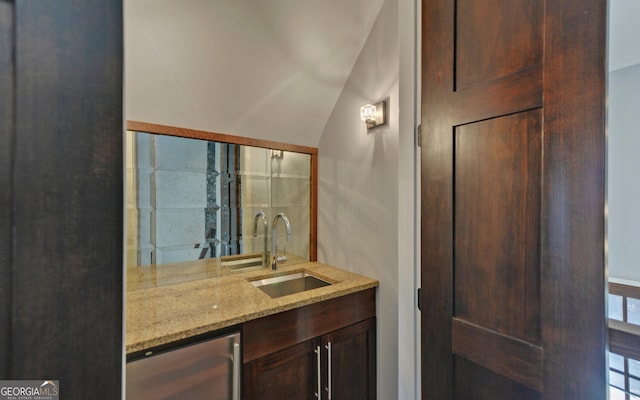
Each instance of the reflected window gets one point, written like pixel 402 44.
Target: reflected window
pixel 190 199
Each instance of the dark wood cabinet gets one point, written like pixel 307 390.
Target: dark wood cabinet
pixel 349 361
pixel 339 365
pixel 286 374
pixel 328 347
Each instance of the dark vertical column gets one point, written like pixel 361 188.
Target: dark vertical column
pixel 225 209
pixel 230 200
pixel 67 294
pixel 236 202
pixel 213 207
pixel 6 144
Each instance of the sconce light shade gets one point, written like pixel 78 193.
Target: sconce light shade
pixel 373 114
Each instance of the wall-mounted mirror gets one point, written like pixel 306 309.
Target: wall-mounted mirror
pixel 197 203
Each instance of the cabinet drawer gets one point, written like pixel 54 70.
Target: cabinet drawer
pixel 276 332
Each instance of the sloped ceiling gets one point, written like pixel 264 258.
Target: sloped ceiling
pixel 269 69
pixel 624 33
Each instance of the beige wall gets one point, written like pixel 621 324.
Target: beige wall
pixel 359 196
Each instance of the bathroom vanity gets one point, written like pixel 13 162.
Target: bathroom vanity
pixel 320 340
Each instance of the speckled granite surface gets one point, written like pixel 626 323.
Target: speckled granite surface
pixel 157 315
pixel 149 276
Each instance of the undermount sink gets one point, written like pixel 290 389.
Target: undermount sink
pixel 292 283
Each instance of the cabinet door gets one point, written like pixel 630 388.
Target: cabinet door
pixel 291 373
pixel 349 367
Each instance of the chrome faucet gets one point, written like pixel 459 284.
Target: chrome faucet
pixel 265 249
pixel 274 239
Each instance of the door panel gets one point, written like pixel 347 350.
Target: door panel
pixel 495 39
pixel 513 199
pixel 496 246
pixel 512 358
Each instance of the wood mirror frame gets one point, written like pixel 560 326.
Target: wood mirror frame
pixel 225 138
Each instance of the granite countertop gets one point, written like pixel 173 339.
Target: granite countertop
pixel 148 276
pixel 157 315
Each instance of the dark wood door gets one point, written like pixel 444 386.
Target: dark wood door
pixel 291 373
pixel 352 372
pixel 513 106
pixel 7 85
pixel 61 186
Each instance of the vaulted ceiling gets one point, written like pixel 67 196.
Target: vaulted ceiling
pixel 270 69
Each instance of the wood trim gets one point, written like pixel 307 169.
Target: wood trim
pixel 222 137
pixel 218 137
pixel 275 332
pixel 624 290
pixel 510 357
pixel 624 339
pixel 436 201
pixel 313 223
pixel 482 99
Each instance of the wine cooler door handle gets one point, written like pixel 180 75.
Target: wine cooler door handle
pixel 236 371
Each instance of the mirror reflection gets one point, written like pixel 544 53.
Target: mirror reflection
pixel 191 199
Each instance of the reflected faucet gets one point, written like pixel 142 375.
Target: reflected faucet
pixel 265 254
pixel 274 239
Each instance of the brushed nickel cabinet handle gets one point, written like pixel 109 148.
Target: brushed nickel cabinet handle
pixel 319 392
pixel 328 347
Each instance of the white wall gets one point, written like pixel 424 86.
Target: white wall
pixel 268 69
pixel 623 167
pixel 366 191
pixel 624 31
pixel 409 367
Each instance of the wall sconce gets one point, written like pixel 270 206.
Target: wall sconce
pixel 373 114
pixel 277 154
